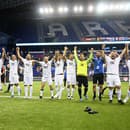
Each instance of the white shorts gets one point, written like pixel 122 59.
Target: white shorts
pixel 71 79
pixel 129 80
pixel 47 79
pixel 14 79
pixel 113 80
pixel 59 79
pixel 0 78
pixel 28 80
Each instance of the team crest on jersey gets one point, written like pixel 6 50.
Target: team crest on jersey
pixel 12 63
pixel 45 66
pixel 57 64
pixel 27 64
pixel 70 63
pixel 82 64
pixel 112 62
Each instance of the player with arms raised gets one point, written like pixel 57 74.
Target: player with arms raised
pixel 46 75
pixel 113 78
pixel 13 75
pixel 71 75
pixel 28 72
pixel 98 77
pixel 59 60
pixel 82 71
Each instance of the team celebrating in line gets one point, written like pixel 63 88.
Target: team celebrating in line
pixel 76 71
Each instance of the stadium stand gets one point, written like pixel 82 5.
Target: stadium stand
pixel 68 31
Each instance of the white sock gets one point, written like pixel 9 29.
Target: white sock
pixel 60 92
pixel 127 97
pixel 31 91
pixel 110 94
pixel 12 90
pixel 0 82
pixel 41 92
pixel 98 90
pixel 72 91
pixel 0 86
pixel 52 94
pixel 119 94
pixel 19 89
pixel 57 89
pixel 129 93
pixel 26 91
pixel 68 89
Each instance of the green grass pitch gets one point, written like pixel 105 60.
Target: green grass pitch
pixel 47 114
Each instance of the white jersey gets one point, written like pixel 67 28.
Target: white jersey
pixel 59 67
pixel 13 67
pixel 71 66
pixel 46 69
pixel 1 63
pixel 128 64
pixel 28 67
pixel 112 65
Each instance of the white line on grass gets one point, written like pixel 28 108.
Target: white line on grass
pixel 23 97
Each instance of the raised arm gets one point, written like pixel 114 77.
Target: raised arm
pixel 90 56
pixel 64 53
pixel 103 47
pixel 52 59
pixel 127 51
pixel 3 53
pixel 123 52
pixel 18 53
pixel 75 53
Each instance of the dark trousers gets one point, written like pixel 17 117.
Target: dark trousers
pixel 82 80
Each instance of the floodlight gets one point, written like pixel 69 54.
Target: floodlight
pixel 41 10
pixel 90 8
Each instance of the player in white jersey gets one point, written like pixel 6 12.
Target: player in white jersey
pixel 71 75
pixel 59 73
pixel 128 64
pixel 46 75
pixel 13 75
pixel 28 73
pixel 113 79
pixel 1 64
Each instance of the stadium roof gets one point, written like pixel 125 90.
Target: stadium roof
pixel 15 3
pixel 29 8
